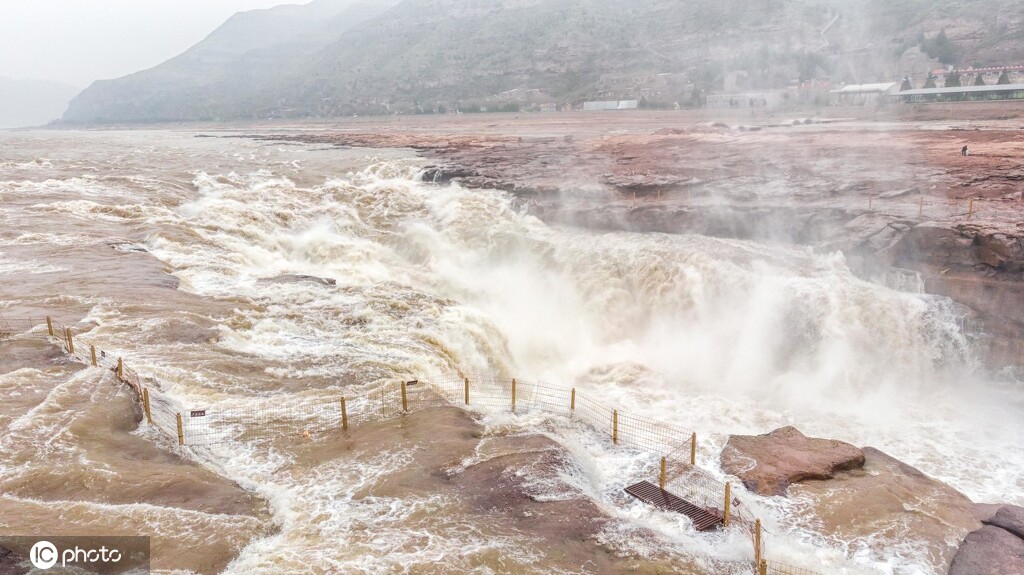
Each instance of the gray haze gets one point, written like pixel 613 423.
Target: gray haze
pixel 71 43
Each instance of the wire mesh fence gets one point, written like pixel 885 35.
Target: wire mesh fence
pixel 304 415
pixel 777 568
pixel 10 327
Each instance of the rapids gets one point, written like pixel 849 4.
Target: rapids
pixel 164 244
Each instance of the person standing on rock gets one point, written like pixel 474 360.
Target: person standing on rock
pixel 964 152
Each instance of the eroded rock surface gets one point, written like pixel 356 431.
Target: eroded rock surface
pixel 769 463
pixel 888 501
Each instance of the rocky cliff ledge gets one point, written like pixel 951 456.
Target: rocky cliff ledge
pixel 891 195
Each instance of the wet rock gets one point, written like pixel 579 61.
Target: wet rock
pixel 1001 251
pixel 12 563
pixel 936 244
pixel 298 278
pixel 445 174
pixel 1010 518
pixel 989 551
pixel 768 464
pixel 888 501
pixel 985 511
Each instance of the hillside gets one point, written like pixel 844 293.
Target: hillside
pixel 337 57
pixel 222 76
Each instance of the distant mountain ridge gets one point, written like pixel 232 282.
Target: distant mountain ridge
pixel 336 57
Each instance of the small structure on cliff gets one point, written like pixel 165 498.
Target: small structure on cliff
pixel 862 94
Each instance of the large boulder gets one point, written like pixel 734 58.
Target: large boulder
pixel 1010 518
pixel 768 464
pixel 989 551
pixel 888 502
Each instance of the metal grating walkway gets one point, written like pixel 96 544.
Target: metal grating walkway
pixel 650 493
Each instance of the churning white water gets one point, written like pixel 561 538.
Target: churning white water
pixel 719 336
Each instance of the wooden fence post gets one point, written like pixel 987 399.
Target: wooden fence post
pixel 120 368
pixel 757 543
pixel 920 207
pixel 405 400
pixel 572 401
pixel 764 567
pixel 181 431
pixel 467 391
pixel 49 325
pixel 71 340
pixel 92 350
pixel 693 449
pixel 728 503
pixel 615 427
pixel 145 405
pixel 661 478
pixel 513 395
pixel 970 208
pixel 344 415
pixel 871 201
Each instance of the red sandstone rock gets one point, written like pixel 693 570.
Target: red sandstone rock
pixel 989 551
pixel 1010 518
pixel 888 501
pixel 768 464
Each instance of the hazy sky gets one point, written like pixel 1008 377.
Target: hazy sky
pixel 79 41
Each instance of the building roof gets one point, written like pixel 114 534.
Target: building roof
pixel 865 88
pixel 962 90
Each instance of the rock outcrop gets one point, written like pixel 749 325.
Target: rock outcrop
pixel 887 501
pixel 995 549
pixel 768 464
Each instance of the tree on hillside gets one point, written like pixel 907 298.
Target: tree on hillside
pixel 953 79
pixel 1004 78
pixel 906 85
pixel 940 47
pixel 930 82
pixel 979 80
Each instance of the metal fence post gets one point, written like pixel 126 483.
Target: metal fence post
pixel 49 325
pixel 405 400
pixel 145 404
pixel 181 431
pixel 728 503
pixel 513 395
pixel 344 415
